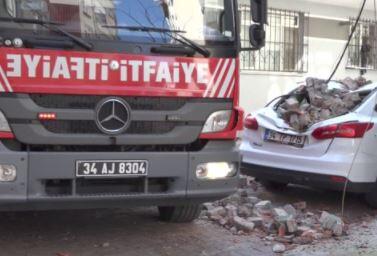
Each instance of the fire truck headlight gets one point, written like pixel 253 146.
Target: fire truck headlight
pixel 216 170
pixel 4 126
pixel 8 173
pixel 217 122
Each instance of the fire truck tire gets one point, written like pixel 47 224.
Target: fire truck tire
pixel 180 214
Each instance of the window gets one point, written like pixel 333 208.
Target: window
pixel 286 47
pixel 204 21
pixel 362 51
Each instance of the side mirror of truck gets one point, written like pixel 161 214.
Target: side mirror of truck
pixel 259 9
pixel 257 34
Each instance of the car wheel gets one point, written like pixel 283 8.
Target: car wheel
pixel 371 198
pixel 180 214
pixel 273 185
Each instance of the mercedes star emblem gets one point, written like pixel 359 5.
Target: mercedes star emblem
pixel 113 115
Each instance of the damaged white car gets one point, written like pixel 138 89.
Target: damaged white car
pixel 322 135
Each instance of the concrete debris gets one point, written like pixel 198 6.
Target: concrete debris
pixel 208 206
pixel 318 101
pixel 284 239
pixel 242 182
pixel 253 200
pixel 332 222
pixel 291 104
pixel 290 210
pixel 270 227
pixel 234 199
pixel 233 230
pixel 280 215
pixel 242 224
pixel 278 248
pixel 302 229
pixel 217 213
pixel 282 230
pixel 302 240
pixel 300 205
pixel 308 221
pixel 290 224
pixel 258 222
pixel 309 233
pixel 223 221
pixel 352 84
pixel 245 210
pixel 231 210
pixel 243 193
pixel 264 205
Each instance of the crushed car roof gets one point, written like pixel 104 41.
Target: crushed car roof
pixel 318 100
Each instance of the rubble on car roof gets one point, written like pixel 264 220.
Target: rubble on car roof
pixel 318 101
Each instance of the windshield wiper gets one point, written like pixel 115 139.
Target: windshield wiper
pixel 182 39
pixel 144 29
pixel 54 26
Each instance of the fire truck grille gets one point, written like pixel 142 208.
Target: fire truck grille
pixel 90 127
pixel 90 102
pixel 103 187
pixel 154 121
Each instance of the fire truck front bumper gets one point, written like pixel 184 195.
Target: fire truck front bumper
pixel 49 180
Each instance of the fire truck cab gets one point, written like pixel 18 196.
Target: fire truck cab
pixel 116 103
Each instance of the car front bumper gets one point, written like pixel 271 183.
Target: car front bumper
pixel 47 180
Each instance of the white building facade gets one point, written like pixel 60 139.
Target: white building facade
pixel 305 39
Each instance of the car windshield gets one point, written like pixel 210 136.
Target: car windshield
pixel 203 21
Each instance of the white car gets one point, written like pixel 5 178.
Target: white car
pixel 328 154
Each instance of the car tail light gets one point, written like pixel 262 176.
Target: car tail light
pixel 345 130
pixel 338 179
pixel 5 130
pixel 251 123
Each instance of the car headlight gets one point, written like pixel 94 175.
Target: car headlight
pixel 217 121
pixel 4 125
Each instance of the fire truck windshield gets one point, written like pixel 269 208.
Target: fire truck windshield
pixel 203 21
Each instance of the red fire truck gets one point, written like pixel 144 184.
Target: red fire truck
pixel 115 103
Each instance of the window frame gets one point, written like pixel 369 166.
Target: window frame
pixel 355 60
pixel 281 54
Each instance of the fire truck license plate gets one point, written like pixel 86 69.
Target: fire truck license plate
pixel 111 168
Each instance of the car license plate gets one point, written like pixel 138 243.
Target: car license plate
pixel 286 139
pixel 111 168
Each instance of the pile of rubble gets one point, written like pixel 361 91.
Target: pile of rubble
pixel 318 101
pixel 282 227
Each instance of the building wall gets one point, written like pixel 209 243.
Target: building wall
pixel 327 38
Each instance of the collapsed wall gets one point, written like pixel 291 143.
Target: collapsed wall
pixel 318 101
